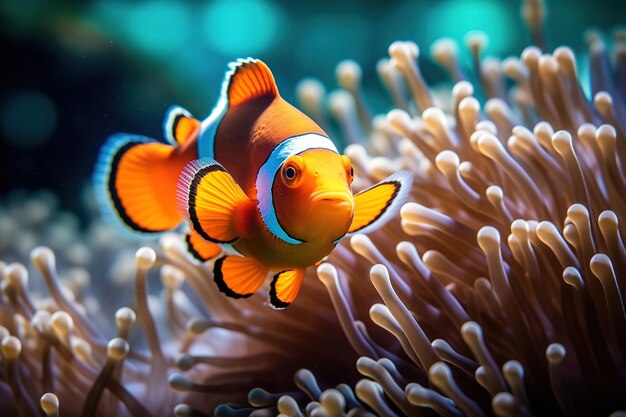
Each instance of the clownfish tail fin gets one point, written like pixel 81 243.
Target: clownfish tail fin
pixel 135 184
pixel 179 126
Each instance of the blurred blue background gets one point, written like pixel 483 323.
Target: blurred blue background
pixel 74 72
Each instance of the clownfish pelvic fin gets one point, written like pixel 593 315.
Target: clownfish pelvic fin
pixel 285 287
pixel 239 276
pixel 200 249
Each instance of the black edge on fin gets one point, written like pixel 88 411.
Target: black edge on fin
pixel 219 280
pixel 276 302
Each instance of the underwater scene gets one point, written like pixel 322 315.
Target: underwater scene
pixel 334 208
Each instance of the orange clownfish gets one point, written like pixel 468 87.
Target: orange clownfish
pixel 261 185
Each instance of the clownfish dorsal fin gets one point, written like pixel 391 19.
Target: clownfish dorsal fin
pixel 250 79
pixel 179 125
pixel 246 80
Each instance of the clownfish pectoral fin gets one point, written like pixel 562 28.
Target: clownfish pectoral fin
pixel 135 183
pixel 201 249
pixel 285 287
pixel 212 201
pixel 179 126
pixel 378 204
pixel 250 79
pixel 238 276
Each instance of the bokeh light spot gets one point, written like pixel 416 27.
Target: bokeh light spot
pixel 158 28
pixel 328 39
pixel 28 119
pixel 456 18
pixel 241 27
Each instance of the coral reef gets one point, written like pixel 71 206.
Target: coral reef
pixel 498 291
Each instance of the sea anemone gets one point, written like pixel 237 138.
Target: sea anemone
pixel 497 291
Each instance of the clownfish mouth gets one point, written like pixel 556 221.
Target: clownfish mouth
pixel 336 198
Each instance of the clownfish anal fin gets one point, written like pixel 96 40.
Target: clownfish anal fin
pixel 201 249
pixel 250 79
pixel 378 204
pixel 238 276
pixel 211 199
pixel 179 125
pixel 285 287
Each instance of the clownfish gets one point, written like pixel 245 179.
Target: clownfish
pixel 262 187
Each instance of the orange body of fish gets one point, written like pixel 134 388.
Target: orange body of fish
pixel 262 187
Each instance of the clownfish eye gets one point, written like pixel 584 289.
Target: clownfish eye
pixel 291 174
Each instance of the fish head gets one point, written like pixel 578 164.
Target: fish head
pixel 313 196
